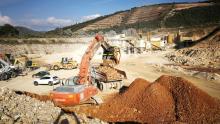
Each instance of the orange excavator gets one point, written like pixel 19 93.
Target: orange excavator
pixel 84 86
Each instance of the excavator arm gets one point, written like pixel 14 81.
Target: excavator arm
pixel 111 55
pixel 85 62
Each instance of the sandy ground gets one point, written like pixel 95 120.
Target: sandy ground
pixel 142 66
pixel 134 65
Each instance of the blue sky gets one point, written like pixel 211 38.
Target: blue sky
pixel 49 14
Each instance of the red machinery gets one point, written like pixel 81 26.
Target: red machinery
pixel 84 65
pixel 81 88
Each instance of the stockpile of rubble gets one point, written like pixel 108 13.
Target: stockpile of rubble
pixel 16 108
pixel 208 57
pixel 167 100
pixel 205 53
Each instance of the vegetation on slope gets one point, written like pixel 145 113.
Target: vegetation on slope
pixel 26 32
pixel 8 31
pixel 192 17
pixel 195 16
pixel 145 26
pixel 74 28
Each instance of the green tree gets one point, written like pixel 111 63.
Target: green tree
pixel 8 31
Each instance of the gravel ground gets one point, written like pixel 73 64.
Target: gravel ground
pixel 23 109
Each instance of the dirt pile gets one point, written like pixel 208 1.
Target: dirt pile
pixel 110 72
pixel 16 108
pixel 206 52
pixel 167 100
pixel 25 107
pixel 191 104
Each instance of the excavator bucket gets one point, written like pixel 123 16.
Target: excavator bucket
pixel 111 56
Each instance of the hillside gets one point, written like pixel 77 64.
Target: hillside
pixel 150 17
pixel 26 32
pixel 8 30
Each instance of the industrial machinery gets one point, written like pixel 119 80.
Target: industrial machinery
pixel 6 71
pixel 111 54
pixel 22 62
pixel 85 85
pixel 66 63
pixel 21 65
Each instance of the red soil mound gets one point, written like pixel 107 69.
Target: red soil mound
pixel 167 100
pixel 142 102
pixel 191 104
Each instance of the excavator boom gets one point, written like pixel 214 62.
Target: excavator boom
pixel 85 62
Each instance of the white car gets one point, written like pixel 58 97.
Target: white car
pixel 50 80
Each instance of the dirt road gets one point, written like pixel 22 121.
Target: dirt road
pixel 25 83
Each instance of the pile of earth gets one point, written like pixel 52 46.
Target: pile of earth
pixel 110 72
pixel 25 107
pixel 167 100
pixel 16 108
pixel 205 52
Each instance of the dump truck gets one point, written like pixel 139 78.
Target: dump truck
pixel 89 80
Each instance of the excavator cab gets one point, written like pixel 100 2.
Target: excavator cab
pixel 72 93
pixel 111 56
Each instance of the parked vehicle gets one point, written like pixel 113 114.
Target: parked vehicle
pixel 49 80
pixel 40 74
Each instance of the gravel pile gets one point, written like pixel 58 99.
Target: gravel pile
pixel 111 73
pixel 205 57
pixel 204 53
pixel 16 108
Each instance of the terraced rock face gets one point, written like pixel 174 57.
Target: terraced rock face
pixel 132 16
pixel 22 49
pixel 140 14
pixel 19 47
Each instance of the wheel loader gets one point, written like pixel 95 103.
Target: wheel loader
pixel 66 63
